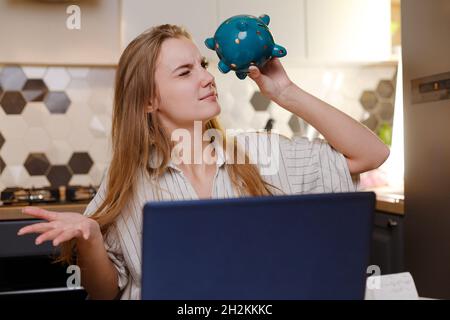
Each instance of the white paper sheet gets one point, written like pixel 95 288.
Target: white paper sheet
pixel 399 286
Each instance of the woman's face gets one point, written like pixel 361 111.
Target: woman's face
pixel 186 89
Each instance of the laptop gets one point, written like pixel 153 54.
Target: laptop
pixel 261 248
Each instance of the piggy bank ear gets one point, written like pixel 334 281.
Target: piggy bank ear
pixel 265 18
pixel 210 43
pixel 278 51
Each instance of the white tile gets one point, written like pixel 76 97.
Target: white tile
pixel 15 176
pixel 79 115
pixel 35 114
pixel 100 126
pixel 97 173
pixel 100 151
pixel 79 91
pixel 259 120
pixel 282 128
pixel 34 72
pixel 57 78
pixel 78 72
pixel 58 126
pixel 101 100
pixel 2 187
pixel 279 114
pixel 226 100
pixel 59 152
pixel 80 180
pixel 37 140
pixel 102 77
pixel 80 139
pixel 243 112
pixel 36 182
pixel 13 126
pixel 14 151
pixel 226 121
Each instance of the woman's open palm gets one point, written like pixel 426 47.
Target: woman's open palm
pixel 60 226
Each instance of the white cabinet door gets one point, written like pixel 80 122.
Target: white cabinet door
pixel 199 17
pixel 348 30
pixel 287 22
pixel 45 32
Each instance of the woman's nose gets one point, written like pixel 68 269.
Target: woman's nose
pixel 207 78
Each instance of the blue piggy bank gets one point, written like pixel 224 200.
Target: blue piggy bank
pixel 242 41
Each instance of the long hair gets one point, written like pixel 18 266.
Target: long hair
pixel 137 135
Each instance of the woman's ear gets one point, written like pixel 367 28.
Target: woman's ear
pixel 150 108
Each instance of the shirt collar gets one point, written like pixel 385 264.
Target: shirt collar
pixel 220 161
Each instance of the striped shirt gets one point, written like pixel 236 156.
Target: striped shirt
pixel 301 167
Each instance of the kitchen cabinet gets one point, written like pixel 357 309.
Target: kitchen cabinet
pixel 348 30
pixel 28 271
pixel 287 22
pixel 37 32
pixel 198 16
pixel 387 250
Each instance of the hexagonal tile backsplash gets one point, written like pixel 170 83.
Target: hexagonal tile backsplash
pixel 48 118
pixel 55 121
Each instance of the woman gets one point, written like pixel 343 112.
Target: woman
pixel 162 86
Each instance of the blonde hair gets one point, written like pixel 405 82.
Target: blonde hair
pixel 137 134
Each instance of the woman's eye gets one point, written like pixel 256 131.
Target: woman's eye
pixel 184 73
pixel 205 64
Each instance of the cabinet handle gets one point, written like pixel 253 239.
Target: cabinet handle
pixel 392 223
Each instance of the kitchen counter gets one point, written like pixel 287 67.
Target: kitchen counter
pixel 14 212
pixel 389 202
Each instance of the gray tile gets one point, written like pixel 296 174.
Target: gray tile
pixel 57 102
pixel 259 102
pixel 12 78
pixel 294 124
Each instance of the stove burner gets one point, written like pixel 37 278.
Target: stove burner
pixel 26 196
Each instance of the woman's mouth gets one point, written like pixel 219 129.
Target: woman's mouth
pixel 210 98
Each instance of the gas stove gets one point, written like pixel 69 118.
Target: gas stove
pixel 29 196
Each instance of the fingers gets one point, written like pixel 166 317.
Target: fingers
pixel 254 72
pixel 49 235
pixel 66 236
pixel 86 233
pixel 35 228
pixel 40 213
